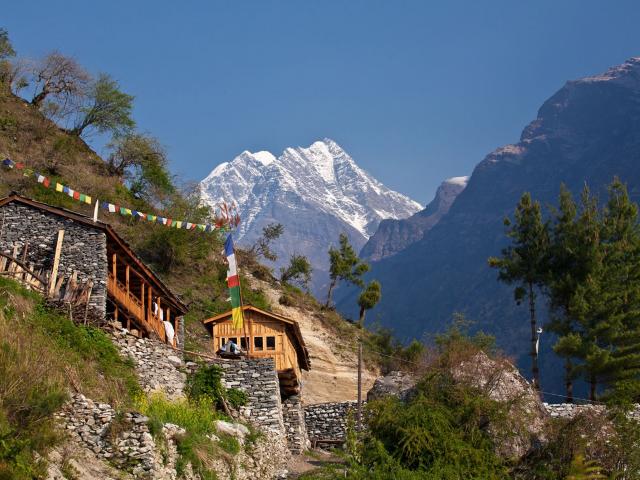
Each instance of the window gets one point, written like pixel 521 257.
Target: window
pixel 257 343
pixel 243 343
pixel 223 340
pixel 234 340
pixel 271 343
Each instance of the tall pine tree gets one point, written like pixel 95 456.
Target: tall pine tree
pixel 524 263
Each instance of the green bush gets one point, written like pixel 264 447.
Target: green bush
pixel 237 398
pixel 206 383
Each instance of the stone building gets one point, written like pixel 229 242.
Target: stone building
pixel 65 244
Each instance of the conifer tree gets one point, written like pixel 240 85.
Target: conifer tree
pixel 345 265
pixel 561 284
pixel 620 308
pixel 368 299
pixel 523 263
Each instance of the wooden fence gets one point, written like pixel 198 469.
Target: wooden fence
pixel 68 291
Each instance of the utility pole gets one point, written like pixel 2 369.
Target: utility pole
pixel 359 418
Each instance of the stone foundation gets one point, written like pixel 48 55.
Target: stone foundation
pixel 294 425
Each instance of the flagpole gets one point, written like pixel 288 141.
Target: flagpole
pixel 244 323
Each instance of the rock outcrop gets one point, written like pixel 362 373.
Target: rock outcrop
pixel 525 413
pixel 398 384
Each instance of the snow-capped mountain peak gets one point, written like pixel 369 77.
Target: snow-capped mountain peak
pixel 316 192
pixel 322 174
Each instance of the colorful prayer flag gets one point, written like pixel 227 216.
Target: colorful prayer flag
pixel 233 282
pixel 59 187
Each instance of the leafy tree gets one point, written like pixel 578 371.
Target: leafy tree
pixel 368 299
pixel 142 161
pixel 6 52
pixel 262 246
pixel 107 108
pixel 524 263
pixel 345 265
pixel 58 76
pixel 6 48
pixel 299 270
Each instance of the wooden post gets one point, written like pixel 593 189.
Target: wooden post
pixel 149 303
pixel 56 263
pixel 126 273
pixel 142 298
pixel 115 273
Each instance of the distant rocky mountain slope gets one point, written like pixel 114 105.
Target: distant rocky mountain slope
pixel 316 193
pixel 588 131
pixel 393 236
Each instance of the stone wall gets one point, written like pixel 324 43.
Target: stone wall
pixel 570 410
pixel 129 445
pixel 84 249
pixel 328 421
pixel 294 424
pixel 124 440
pixel 259 380
pixel 159 367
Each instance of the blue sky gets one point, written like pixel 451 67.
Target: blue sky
pixel 416 91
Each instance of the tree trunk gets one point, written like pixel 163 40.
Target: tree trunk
pixel 37 100
pixel 331 286
pixel 534 337
pixel 361 320
pixel 568 381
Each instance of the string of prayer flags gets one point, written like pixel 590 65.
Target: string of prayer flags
pixel 226 217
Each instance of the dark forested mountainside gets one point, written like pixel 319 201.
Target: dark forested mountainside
pixel 589 131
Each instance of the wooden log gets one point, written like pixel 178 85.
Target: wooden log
pixel 56 264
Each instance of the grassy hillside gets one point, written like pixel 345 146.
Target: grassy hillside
pixel 43 355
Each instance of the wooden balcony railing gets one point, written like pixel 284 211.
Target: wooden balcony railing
pixel 135 308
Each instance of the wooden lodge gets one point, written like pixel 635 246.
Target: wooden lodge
pixel 58 247
pixel 268 335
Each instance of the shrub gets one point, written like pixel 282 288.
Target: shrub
pixel 237 398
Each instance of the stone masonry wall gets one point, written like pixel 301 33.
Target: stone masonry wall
pixel 328 421
pixel 570 410
pixel 124 441
pixel 294 424
pixel 259 379
pixel 129 446
pixel 84 249
pixel 161 368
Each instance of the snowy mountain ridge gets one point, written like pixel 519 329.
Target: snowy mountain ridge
pixel 323 175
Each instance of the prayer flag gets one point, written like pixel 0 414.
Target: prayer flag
pixel 59 187
pixel 112 208
pixel 233 282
